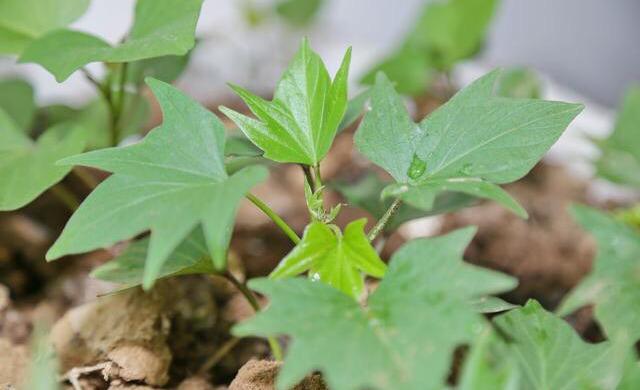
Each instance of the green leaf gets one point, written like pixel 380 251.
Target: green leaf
pixel 28 168
pixel 165 68
pixel 521 83
pixel 22 21
pixel 190 257
pixel 393 342
pixel 613 285
pixel 299 124
pixel 298 12
pixel 160 28
pixel 549 354
pixel 620 160
pixel 17 100
pixel 365 194
pixel 170 183
pixel 333 258
pixel 470 144
pixel 446 32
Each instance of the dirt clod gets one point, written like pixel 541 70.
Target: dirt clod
pixel 13 365
pixel 138 363
pixel 261 375
pixel 195 383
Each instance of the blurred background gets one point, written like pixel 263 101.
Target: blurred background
pixel 587 46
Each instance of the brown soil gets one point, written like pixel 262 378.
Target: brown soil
pixel 261 375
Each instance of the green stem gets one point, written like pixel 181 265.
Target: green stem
pixel 65 196
pixel 317 176
pixel 276 350
pixel 373 233
pixel 274 217
pixel 309 176
pixel 117 107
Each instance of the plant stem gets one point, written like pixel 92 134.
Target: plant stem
pixel 244 290
pixel 317 176
pixel 274 217
pixel 216 357
pixel 309 176
pixel 117 107
pixel 379 226
pixel 65 196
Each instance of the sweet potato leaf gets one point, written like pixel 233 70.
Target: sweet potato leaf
pixel 190 257
pixel 471 144
pixel 445 33
pixel 333 258
pixel 17 100
pixel 620 160
pixel 299 124
pixel 355 108
pixel 27 168
pixel 170 183
pixel 394 341
pixel 549 354
pixel 366 194
pixel 160 28
pixel 613 285
pixel 22 21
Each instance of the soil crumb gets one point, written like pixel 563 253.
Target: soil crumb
pixel 13 365
pixel 548 253
pixel 261 375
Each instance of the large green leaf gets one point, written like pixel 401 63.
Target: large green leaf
pixel 190 257
pixel 472 143
pixel 17 100
pixel 445 33
pixel 160 28
pixel 333 258
pixel 366 194
pixel 549 354
pixel 613 285
pixel 28 168
pixel 403 339
pixel 170 183
pixel 22 21
pixel 620 160
pixel 299 124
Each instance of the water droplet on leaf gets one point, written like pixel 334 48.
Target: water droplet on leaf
pixel 417 167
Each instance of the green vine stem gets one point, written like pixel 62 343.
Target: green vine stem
pixel 274 217
pixel 379 226
pixel 276 350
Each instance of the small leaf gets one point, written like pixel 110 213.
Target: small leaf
pixel 620 160
pixel 491 304
pixel 28 168
pixel 333 258
pixel 17 100
pixel 22 21
pixel 549 354
pixel 167 193
pixel 613 285
pixel 160 28
pixel 299 124
pixel 393 343
pixel 470 144
pixel 355 109
pixel 190 257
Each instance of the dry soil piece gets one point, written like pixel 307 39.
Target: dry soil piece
pixel 261 375
pixel 13 364
pixel 549 253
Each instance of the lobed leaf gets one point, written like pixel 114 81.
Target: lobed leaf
pixel 613 285
pixel 160 28
pixel 472 143
pixel 169 194
pixel 301 121
pixel 17 100
pixel 28 168
pixel 393 342
pixel 333 258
